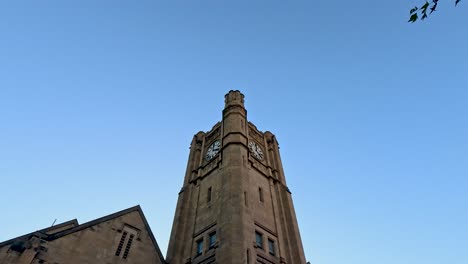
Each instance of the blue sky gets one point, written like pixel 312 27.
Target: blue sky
pixel 99 101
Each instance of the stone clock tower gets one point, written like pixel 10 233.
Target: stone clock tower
pixel 234 205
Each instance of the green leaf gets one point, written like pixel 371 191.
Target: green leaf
pixel 433 8
pixel 414 9
pixel 425 6
pixel 413 18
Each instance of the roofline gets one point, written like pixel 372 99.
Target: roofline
pixel 44 230
pixel 93 222
pixel 148 228
pixel 78 227
pixel 136 208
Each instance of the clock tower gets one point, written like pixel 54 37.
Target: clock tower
pixel 234 205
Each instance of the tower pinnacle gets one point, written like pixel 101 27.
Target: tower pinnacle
pixel 232 98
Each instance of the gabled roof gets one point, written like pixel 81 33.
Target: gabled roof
pixel 76 227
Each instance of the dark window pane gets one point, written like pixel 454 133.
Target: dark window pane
pixel 212 239
pixel 209 195
pixel 259 239
pixel 271 247
pixel 199 247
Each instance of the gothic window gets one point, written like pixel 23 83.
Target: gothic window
pixel 212 240
pixel 259 239
pixel 271 247
pixel 199 247
pixel 126 240
pixel 260 194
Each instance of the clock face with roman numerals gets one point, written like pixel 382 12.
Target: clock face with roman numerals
pixel 256 150
pixel 213 150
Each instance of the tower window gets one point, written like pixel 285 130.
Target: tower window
pixel 209 195
pixel 271 247
pixel 199 247
pixel 260 194
pixel 259 239
pixel 212 240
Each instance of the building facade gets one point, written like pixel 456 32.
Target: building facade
pixel 234 205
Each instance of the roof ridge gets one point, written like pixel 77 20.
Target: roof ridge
pixel 42 231
pixel 94 222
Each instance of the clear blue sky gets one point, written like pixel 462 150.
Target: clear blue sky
pixel 99 101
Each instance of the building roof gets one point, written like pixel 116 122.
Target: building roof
pixel 72 226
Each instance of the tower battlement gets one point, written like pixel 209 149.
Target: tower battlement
pixel 233 97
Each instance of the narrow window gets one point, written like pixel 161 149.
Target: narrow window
pixel 209 195
pixel 212 240
pixel 260 194
pixel 129 244
pixel 129 234
pixel 199 247
pixel 259 239
pixel 245 199
pixel 271 247
pixel 121 243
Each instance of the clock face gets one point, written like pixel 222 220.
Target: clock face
pixel 213 150
pixel 256 150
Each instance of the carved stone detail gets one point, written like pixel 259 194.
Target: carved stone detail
pixel 211 165
pixel 214 133
pixel 259 166
pixel 255 134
